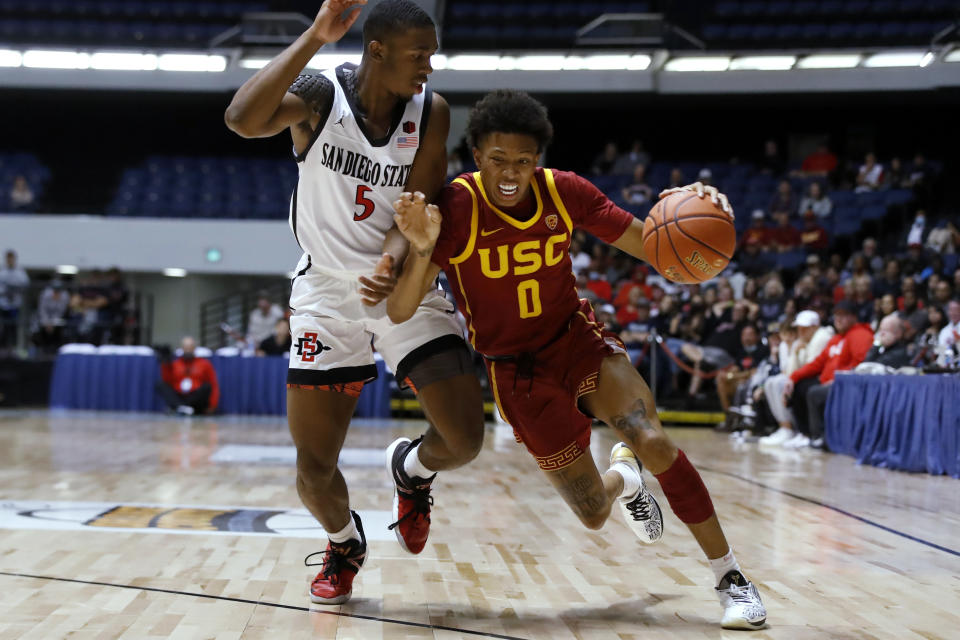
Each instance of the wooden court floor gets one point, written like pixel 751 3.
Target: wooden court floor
pixel 142 526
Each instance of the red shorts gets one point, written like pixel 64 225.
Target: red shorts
pixel 543 409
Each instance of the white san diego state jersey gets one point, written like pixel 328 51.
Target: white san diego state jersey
pixel 343 203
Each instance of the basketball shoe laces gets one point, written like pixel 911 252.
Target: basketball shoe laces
pixel 420 502
pixel 336 558
pixel 639 507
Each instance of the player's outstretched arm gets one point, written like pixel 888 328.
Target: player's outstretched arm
pixel 420 225
pixel 262 107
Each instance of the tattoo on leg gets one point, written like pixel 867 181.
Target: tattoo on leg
pixel 584 496
pixel 635 421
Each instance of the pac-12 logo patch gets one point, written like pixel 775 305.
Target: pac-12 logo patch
pixel 308 347
pixel 551 221
pixel 409 126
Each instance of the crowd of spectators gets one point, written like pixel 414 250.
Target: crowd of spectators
pixel 771 339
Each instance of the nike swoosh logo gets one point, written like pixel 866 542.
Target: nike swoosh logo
pixel 485 233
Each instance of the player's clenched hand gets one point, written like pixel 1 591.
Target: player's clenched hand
pixel 702 191
pixel 332 21
pixel 417 221
pixel 381 284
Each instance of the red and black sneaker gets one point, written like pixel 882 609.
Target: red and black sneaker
pixel 412 501
pixel 341 562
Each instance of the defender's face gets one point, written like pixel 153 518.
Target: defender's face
pixel 507 162
pixel 406 60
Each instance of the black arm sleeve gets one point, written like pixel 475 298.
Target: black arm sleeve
pixel 316 91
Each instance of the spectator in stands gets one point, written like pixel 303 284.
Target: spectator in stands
pixel 918 229
pixel 771 162
pixel 279 343
pixel 784 200
pixel 872 261
pixel 51 316
pixel 603 163
pixel 747 355
pixel 705 176
pixel 942 292
pixel 816 201
pixel 862 299
pixel 891 350
pixel 895 177
pixel 13 283
pixel 638 192
pixel 949 336
pixel 758 232
pixel 943 238
pixel 890 282
pixel 919 176
pixel 809 341
pixel 772 302
pixel 928 342
pixel 115 312
pixel 189 384
pixel 912 309
pixel 21 196
pixel 454 165
pixel 752 262
pixel 261 322
pixel 820 163
pixel 870 175
pixel 635 332
pixel 813 237
pixel 637 305
pixel 784 235
pixel 607 317
pixel 584 291
pixel 579 257
pixel 809 385
pixel 627 162
pixel 676 178
pixel 85 307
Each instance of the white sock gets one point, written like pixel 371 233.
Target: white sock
pixel 723 565
pixel 349 532
pixel 412 465
pixel 631 481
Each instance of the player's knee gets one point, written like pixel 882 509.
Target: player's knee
pixel 313 471
pixel 657 451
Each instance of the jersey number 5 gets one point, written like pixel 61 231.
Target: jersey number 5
pixel 363 201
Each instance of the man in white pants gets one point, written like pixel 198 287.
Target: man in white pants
pixel 811 340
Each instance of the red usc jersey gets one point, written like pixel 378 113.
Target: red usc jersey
pixel 513 277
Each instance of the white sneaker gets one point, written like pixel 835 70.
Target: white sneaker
pixel 798 441
pixel 747 411
pixel 641 511
pixel 778 437
pixel 185 410
pixel 742 607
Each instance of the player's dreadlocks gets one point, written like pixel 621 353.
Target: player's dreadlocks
pixel 393 16
pixel 509 111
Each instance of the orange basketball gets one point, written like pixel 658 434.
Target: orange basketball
pixel 688 239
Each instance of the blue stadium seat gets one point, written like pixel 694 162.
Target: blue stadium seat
pixel 840 31
pixel 778 8
pixel 842 198
pixel 727 8
pixel 814 31
pixel 752 8
pixel 790 260
pixel 866 31
pixel 950 263
pixel 804 8
pixel 714 32
pixel 897 197
pixel 874 212
pixel 789 31
pixel 869 198
pixel 882 7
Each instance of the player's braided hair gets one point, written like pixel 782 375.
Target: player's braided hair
pixel 509 111
pixel 393 16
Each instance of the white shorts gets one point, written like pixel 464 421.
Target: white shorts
pixel 334 334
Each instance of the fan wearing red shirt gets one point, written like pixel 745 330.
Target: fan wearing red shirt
pixel 189 383
pixel 502 236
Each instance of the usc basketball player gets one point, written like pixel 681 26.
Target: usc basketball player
pixel 502 236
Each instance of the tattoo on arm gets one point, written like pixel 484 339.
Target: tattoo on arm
pixel 634 422
pixel 584 495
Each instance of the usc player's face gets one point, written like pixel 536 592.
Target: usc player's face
pixel 507 162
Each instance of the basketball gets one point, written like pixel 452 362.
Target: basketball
pixel 688 239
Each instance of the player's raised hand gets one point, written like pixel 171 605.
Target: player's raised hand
pixel 703 191
pixel 381 284
pixel 417 221
pixel 335 18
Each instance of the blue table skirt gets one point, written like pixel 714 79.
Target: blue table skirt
pixel 911 423
pixel 250 386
